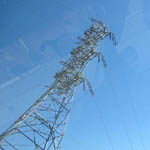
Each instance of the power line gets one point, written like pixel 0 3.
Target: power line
pixel 120 113
pixel 101 115
pixel 135 117
pixel 137 124
pixel 134 113
pixel 104 124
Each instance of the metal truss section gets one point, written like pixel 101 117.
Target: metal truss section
pixel 42 126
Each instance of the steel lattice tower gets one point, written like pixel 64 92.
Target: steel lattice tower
pixel 42 126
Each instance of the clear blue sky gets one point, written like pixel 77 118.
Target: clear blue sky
pixel 36 34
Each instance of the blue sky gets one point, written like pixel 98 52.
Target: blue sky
pixel 36 34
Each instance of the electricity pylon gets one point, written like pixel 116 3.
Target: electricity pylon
pixel 42 126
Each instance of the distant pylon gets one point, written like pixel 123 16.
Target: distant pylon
pixel 42 126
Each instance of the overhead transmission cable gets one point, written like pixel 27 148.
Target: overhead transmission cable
pixel 137 122
pixel 101 117
pixel 135 115
pixel 104 125
pixel 120 113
